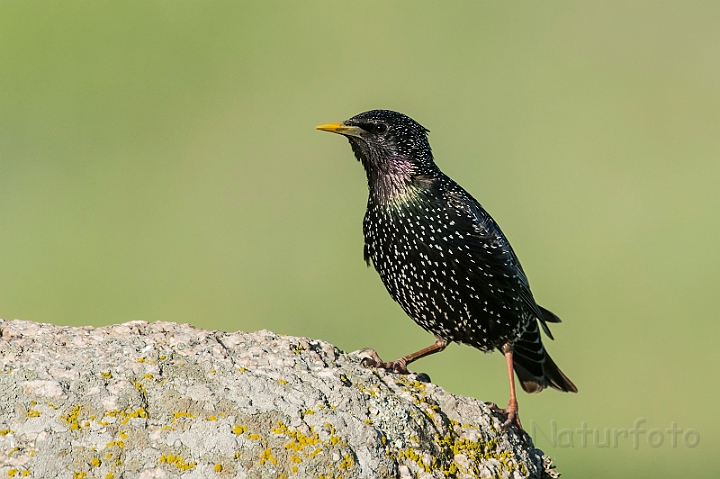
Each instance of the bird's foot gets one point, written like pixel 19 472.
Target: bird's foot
pixel 510 412
pixel 370 359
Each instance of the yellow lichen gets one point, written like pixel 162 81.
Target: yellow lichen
pixel 317 451
pixel 119 444
pixel 106 374
pixel 95 462
pixel 218 468
pixel 138 413
pixel 178 462
pixel 239 429
pixel 370 392
pixel 299 440
pixel 5 432
pixel 451 443
pixel 72 418
pixel 347 462
pixel 12 472
pixel 335 441
pixel 33 413
pixel 179 414
pixel 139 386
pixel 267 456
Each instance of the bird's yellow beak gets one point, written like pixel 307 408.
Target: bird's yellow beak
pixel 341 129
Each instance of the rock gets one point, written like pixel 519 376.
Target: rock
pixel 166 400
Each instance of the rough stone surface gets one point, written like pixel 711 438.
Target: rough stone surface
pixel 166 400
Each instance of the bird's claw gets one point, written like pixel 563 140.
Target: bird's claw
pixel 510 412
pixel 370 359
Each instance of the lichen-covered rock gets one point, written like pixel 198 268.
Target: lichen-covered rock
pixel 166 400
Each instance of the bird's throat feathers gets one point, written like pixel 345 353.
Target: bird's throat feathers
pixel 400 172
pixel 401 199
pixel 400 192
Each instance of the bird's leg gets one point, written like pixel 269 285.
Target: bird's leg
pixel 372 360
pixel 511 411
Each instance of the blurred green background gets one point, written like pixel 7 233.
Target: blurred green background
pixel 158 162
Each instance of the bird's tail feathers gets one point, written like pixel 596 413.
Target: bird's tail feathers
pixel 535 368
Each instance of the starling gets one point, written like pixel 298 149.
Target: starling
pixel 443 259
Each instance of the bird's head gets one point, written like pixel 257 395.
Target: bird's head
pixel 392 147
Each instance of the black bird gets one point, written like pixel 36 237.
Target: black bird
pixel 443 258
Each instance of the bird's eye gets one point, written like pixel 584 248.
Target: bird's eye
pixel 381 128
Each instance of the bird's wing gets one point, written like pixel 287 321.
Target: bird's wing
pixel 488 248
